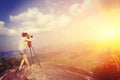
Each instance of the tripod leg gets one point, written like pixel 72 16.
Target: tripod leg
pixel 36 57
pixel 31 56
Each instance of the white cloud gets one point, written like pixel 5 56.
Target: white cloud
pixel 33 21
pixel 12 32
pixel 76 8
pixel 3 30
pixel 6 31
pixel 86 8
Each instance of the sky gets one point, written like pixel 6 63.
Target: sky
pixel 53 22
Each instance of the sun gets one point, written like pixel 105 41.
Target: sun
pixel 109 33
pixel 109 37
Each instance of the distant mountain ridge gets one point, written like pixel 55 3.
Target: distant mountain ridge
pixel 8 54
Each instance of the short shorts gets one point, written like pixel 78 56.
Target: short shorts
pixel 22 52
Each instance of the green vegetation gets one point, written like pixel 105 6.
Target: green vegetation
pixel 8 63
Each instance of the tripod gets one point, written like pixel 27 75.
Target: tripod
pixel 33 51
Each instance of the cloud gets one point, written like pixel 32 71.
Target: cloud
pixel 6 31
pixel 86 7
pixel 3 30
pixel 74 9
pixel 94 7
pixel 34 21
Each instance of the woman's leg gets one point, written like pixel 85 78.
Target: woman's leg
pixel 26 60
pixel 21 64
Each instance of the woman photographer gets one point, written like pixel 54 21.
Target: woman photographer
pixel 23 49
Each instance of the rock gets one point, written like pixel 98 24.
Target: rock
pixel 49 71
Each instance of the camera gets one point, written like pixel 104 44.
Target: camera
pixel 30 36
pixel 29 42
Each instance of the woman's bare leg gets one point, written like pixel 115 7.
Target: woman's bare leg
pixel 26 60
pixel 21 64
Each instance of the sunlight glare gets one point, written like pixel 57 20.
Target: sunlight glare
pixel 109 33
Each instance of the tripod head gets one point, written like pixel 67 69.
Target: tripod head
pixel 30 36
pixel 29 43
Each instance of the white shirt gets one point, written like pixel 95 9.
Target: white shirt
pixel 23 43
